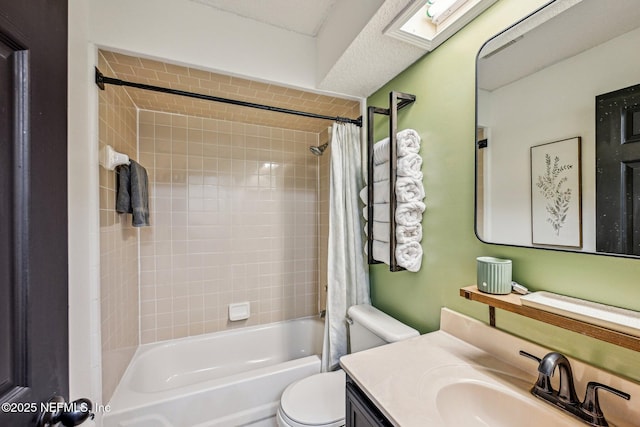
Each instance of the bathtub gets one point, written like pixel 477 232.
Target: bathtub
pixel 221 379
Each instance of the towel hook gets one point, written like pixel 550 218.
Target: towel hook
pixel 110 158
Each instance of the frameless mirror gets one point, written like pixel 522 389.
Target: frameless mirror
pixel 558 119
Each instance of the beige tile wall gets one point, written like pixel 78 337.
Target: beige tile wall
pixel 234 212
pixel 118 245
pixel 164 74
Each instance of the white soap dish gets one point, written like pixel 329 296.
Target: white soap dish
pixel 239 311
pixel 618 319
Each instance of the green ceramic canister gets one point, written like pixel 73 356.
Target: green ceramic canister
pixel 494 275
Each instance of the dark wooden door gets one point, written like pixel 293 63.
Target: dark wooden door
pixel 33 207
pixel 618 171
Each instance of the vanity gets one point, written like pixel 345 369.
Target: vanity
pixel 467 374
pixel 360 410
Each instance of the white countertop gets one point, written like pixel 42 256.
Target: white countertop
pixel 396 377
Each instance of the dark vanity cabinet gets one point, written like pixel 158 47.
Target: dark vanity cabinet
pixel 361 412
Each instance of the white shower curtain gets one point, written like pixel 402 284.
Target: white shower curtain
pixel 347 269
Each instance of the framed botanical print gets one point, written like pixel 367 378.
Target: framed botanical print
pixel 556 201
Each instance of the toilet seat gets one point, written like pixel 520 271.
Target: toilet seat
pixel 318 401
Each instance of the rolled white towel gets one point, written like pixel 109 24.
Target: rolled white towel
pixel 381 251
pixel 408 234
pixel 381 192
pixel 380 212
pixel 408 142
pixel 364 195
pixel 381 172
pixel 381 231
pixel 381 151
pixel 409 213
pixel 409 256
pixel 409 165
pixel 404 234
pixel 408 190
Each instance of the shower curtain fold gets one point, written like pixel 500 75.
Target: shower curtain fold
pixel 347 269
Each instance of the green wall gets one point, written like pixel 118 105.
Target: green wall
pixel 444 115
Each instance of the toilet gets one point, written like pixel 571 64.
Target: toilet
pixel 319 400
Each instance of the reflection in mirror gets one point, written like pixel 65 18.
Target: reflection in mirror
pixel 537 84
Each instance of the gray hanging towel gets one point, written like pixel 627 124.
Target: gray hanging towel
pixel 133 193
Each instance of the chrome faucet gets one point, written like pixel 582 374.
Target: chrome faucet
pixel 548 364
pixel 565 397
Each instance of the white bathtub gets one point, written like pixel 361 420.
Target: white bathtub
pixel 222 379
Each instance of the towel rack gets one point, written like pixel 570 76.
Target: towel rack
pixel 397 101
pixel 110 158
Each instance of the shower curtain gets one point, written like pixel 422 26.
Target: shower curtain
pixel 347 269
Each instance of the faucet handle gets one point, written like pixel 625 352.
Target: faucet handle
pixel 530 356
pixel 543 383
pixel 591 405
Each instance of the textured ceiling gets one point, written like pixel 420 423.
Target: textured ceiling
pixel 141 70
pixel 372 58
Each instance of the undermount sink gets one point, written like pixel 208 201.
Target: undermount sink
pixel 470 396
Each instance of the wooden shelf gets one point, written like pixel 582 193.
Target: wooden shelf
pixel 512 303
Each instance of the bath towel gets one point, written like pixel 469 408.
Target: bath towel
pixel 408 142
pixel 408 234
pixel 380 195
pixel 381 152
pixel 409 190
pixel 409 213
pixel 381 231
pixel 364 195
pixel 133 193
pixel 409 256
pixel 404 234
pixel 381 192
pixel 381 172
pixel 410 165
pixel 380 251
pixel 380 212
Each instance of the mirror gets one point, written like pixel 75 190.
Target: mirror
pixel 550 90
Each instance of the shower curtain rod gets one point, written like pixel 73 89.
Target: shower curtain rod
pixel 102 80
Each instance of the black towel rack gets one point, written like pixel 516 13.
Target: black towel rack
pixel 397 101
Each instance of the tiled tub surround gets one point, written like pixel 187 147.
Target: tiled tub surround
pixel 118 244
pixel 234 211
pixel 196 259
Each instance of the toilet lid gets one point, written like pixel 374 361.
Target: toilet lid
pixel 316 400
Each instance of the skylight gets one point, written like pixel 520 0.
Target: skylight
pixel 428 23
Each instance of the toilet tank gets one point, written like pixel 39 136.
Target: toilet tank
pixel 371 327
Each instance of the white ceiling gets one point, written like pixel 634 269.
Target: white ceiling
pixel 354 57
pixel 301 16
